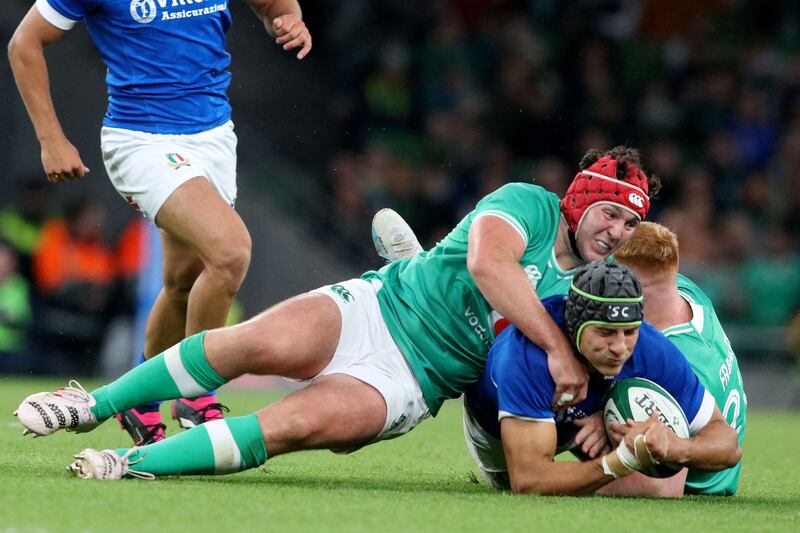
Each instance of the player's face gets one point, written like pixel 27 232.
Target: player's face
pixel 608 347
pixel 605 227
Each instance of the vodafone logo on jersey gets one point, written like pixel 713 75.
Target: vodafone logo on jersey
pixel 143 11
pixel 636 200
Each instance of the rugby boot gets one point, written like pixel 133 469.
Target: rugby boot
pixel 193 412
pixel 67 408
pixel 143 424
pixel 393 237
pixel 105 465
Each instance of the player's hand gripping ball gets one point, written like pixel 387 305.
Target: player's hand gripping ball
pixel 638 398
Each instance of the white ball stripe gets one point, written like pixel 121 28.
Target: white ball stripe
pixel 186 384
pixel 227 457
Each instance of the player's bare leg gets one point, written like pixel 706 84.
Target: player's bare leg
pixel 206 252
pixel 196 215
pixel 166 324
pixel 295 339
pixel 336 411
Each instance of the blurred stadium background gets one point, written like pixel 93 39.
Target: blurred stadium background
pixel 425 107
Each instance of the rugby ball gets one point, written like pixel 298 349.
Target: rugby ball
pixel 637 399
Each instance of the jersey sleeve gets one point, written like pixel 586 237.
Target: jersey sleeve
pixel 668 367
pixel 63 14
pixel 524 386
pixel 523 206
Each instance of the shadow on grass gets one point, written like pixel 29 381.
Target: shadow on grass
pixel 461 484
pixel 466 485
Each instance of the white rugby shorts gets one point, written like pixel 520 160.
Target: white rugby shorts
pixel 487 452
pixel 367 352
pixel 146 168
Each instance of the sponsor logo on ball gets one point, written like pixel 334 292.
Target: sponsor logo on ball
pixel 644 403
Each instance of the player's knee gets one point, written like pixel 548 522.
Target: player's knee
pixel 291 432
pixel 265 350
pixel 302 429
pixel 229 263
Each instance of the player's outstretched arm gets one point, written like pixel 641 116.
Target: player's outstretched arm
pixel 715 447
pixel 60 159
pixel 529 448
pixel 283 19
pixel 495 249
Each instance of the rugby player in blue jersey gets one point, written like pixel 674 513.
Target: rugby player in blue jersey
pixel 677 308
pixel 168 146
pixel 514 434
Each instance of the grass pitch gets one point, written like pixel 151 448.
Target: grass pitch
pixel 424 481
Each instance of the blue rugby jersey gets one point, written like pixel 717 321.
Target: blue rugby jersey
pixel 166 59
pixel 517 382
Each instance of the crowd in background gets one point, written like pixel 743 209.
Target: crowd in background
pixel 433 105
pixel 62 282
pixel 459 97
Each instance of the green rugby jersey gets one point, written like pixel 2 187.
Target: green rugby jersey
pixel 435 312
pixel 709 352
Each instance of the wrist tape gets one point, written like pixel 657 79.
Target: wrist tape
pixel 623 461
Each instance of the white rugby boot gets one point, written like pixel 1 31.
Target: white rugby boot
pixel 67 408
pixel 393 237
pixel 105 465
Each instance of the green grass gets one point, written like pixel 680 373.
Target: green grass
pixel 420 482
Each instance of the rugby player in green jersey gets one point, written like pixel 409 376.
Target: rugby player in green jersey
pixel 382 352
pixel 673 304
pixel 684 314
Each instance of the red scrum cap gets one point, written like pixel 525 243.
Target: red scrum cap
pixel 599 184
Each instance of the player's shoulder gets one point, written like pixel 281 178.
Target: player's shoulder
pixel 691 291
pixel 704 322
pixel 533 211
pixel 656 358
pixel 653 343
pixel 525 192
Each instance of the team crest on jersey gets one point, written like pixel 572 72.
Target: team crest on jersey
pixel 143 11
pixel 534 275
pixel 177 161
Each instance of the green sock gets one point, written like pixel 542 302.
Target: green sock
pixel 216 447
pixel 180 372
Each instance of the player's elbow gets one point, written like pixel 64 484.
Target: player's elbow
pixel 532 487
pixel 13 49
pixel 18 46
pixel 524 487
pixel 476 264
pixel 482 267
pixel 732 452
pixel 528 484
pixel 734 457
pixel 726 455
